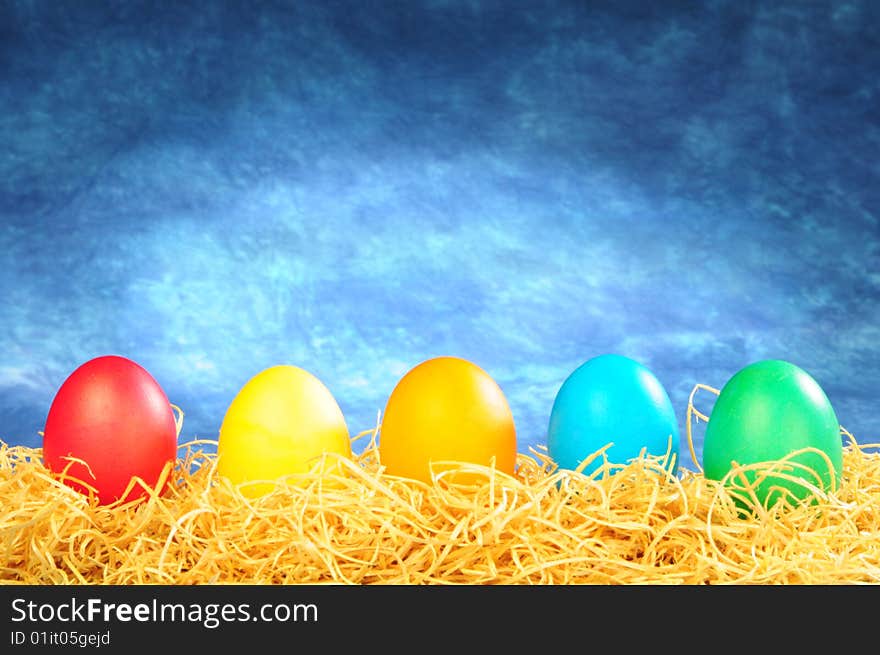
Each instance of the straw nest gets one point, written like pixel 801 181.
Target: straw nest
pixel 640 525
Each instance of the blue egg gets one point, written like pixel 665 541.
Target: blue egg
pixel 612 399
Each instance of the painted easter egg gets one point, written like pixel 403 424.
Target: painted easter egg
pixel 612 399
pixel 444 411
pixel 280 424
pixel 109 423
pixel 766 412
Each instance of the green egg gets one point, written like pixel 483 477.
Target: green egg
pixel 767 411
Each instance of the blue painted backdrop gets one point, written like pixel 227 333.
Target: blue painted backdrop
pixel 215 188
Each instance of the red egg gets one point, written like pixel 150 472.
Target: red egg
pixel 113 415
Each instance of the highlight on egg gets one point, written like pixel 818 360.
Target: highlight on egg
pixel 444 412
pixel 284 425
pixel 612 402
pixel 773 418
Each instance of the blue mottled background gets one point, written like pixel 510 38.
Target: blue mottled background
pixel 212 188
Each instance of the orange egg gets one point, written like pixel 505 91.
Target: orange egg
pixel 446 409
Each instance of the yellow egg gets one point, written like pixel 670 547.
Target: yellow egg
pixel 280 424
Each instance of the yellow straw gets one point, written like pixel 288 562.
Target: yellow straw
pixel 541 525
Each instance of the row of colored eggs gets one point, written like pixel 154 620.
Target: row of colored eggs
pixel 111 422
